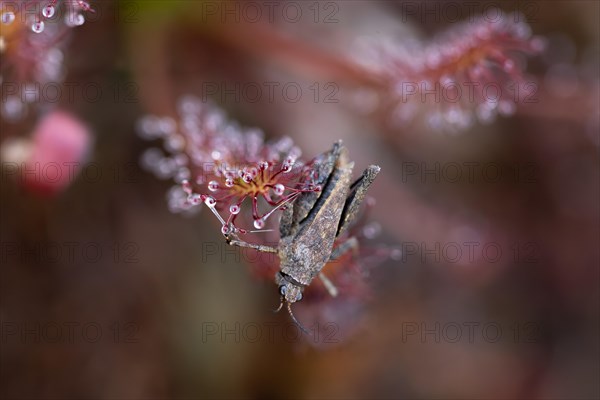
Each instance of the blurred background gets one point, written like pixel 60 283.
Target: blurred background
pixel 107 294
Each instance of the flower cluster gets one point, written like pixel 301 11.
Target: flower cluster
pixel 31 46
pixel 226 167
pixel 474 71
pixel 34 14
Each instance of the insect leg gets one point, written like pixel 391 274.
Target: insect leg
pixel 333 291
pixel 358 191
pixel 350 244
pixel 259 247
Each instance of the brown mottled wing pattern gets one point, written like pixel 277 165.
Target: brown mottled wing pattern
pixel 304 255
pixel 358 192
pixel 300 208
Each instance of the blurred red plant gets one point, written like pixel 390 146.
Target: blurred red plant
pixel 31 46
pixel 49 161
pixel 472 71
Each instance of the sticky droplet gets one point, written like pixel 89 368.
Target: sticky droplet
pixel 74 20
pixel 213 186
pixel 8 17
pixel 48 11
pixel 37 26
pixel 194 199
pixel 278 189
pixel 286 167
pixel 209 201
pixel 396 254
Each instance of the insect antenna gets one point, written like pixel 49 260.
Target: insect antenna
pixel 298 324
pixel 280 304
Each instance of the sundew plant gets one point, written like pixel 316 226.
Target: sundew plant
pixel 299 199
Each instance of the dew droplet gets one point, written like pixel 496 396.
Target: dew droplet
pixel 213 186
pixel 194 199
pixel 37 26
pixel 84 5
pixel 396 254
pixel 79 19
pixel 229 182
pixel 372 230
pixel 506 108
pixel 278 189
pixel 13 109
pixel 485 114
pixel 181 173
pixel 509 66
pixel 263 165
pixel 538 44
pixel 247 178
pixel 150 158
pixel 294 153
pixel 234 209
pixel 175 143
pixel 166 125
pixel 8 17
pixel 286 167
pixel 48 11
pixel 181 160
pixel 259 223
pixel 74 20
pixel 225 229
pixel 186 186
pixel 210 201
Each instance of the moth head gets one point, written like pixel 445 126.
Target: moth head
pixel 290 293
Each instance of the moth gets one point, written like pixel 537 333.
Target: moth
pixel 310 225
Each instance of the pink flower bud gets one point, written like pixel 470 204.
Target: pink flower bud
pixel 59 146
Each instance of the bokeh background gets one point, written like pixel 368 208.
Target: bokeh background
pixel 106 294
